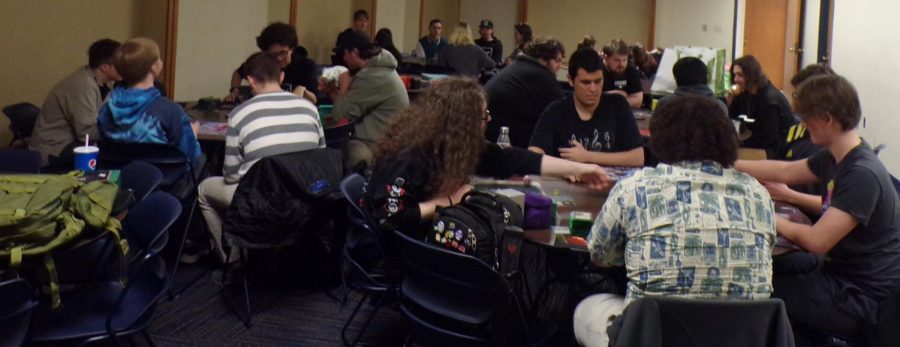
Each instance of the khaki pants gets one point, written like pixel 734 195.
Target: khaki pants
pixel 593 315
pixel 214 196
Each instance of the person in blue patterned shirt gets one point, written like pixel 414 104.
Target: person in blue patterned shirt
pixel 691 227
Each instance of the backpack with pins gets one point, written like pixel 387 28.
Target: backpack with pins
pixel 477 226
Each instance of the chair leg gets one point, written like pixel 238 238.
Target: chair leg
pixel 244 258
pixel 350 319
pixel 147 338
pixel 174 292
pixel 365 327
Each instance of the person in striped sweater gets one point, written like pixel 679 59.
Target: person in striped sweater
pixel 272 122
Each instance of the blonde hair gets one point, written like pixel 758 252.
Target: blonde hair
pixel 135 58
pixel 461 36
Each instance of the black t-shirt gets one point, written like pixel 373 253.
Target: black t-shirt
pixel 772 119
pixel 611 129
pixel 493 48
pixel 302 71
pixel 516 97
pixel 799 147
pixel 867 260
pixel 630 81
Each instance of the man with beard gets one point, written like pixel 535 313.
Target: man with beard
pixel 619 77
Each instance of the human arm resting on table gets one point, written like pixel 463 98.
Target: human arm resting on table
pixel 818 238
pixel 633 157
pixel 807 202
pixel 789 172
pixel 302 92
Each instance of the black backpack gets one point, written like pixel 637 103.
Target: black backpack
pixel 477 226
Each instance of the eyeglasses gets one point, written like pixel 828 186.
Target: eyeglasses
pixel 487 116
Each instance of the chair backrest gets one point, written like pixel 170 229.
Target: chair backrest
pixel 20 161
pixel 147 223
pixel 146 284
pixel 337 137
pixel 16 307
pixel 22 117
pixel 169 159
pixel 671 321
pixel 141 178
pixel 351 187
pixel 448 285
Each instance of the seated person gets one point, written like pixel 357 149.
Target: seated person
pixel 273 122
pixel 359 26
pixel 859 231
pixel 619 77
pixel 755 97
pixel 138 113
pixel 70 110
pixel 488 42
pixel 522 35
pixel 431 45
pixel 807 197
pixel 519 92
pixel 300 73
pixel 691 79
pixel 423 163
pixel 463 55
pixel 376 93
pixel 589 127
pixel 691 227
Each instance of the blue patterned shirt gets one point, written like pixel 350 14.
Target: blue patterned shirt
pixel 692 229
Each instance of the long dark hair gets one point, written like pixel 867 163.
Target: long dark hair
pixel 385 39
pixel 446 125
pixel 753 72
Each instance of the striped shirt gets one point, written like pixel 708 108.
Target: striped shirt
pixel 269 124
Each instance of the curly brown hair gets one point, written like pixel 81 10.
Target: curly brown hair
pixel 545 48
pixel 446 125
pixel 693 128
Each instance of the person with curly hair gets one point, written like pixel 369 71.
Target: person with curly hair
pixel 694 226
pixel 463 55
pixel 300 73
pixel 756 98
pixel 519 92
pixel 426 158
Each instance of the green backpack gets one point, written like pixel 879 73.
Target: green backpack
pixel 39 213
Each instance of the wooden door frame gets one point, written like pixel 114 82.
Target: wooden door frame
pixel 171 45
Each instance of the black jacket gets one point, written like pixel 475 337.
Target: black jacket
pixel 279 195
pixel 690 322
pixel 517 96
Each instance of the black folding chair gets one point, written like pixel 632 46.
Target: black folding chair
pixel 22 117
pixel 20 161
pixel 17 304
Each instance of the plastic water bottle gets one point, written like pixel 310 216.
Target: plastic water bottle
pixel 503 139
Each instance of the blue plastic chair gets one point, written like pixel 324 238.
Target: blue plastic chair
pixel 20 161
pixel 17 304
pixel 382 286
pixel 147 224
pixel 178 178
pixel 107 309
pixel 453 299
pixel 22 117
pixel 141 178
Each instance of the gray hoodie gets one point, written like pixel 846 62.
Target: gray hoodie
pixel 375 96
pixel 698 90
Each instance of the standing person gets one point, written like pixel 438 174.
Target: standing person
pixel 430 46
pixel 70 110
pixel 300 75
pixel 490 44
pixel 385 39
pixel 522 34
pixel 859 231
pixel 589 127
pixel 463 55
pixel 691 78
pixel 376 93
pixel 273 122
pixel 519 92
pixel 756 98
pixel 137 113
pixel 359 26
pixel 426 158
pixel 692 227
pixel 619 77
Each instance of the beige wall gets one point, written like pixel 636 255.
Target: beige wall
pixel 410 27
pixel 392 14
pixel 279 11
pixel 214 38
pixel 570 20
pixel 46 40
pixel 151 21
pixel 705 23
pixel 318 24
pixel 446 10
pixel 504 14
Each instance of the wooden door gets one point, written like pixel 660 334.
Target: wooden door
pixel 768 27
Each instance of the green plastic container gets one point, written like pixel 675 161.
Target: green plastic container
pixel 325 113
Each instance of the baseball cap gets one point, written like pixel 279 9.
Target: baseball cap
pixel 486 24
